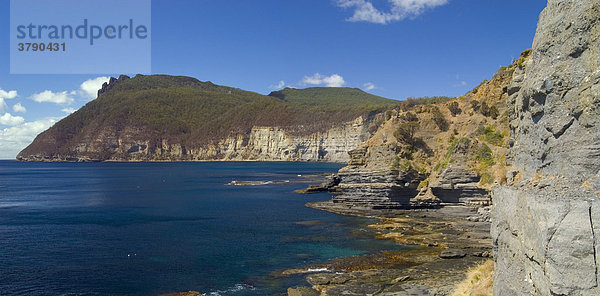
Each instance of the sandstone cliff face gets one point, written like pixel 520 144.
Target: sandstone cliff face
pixel 260 144
pixel 365 185
pixel 272 143
pixel 433 152
pixel 546 224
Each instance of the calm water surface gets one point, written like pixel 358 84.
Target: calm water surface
pixel 150 228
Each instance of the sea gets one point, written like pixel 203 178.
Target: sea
pixel 219 228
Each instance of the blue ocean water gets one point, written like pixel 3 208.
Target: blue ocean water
pixel 151 228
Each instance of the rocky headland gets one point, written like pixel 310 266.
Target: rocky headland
pixel 430 153
pixel 426 173
pixel 545 193
pixel 175 118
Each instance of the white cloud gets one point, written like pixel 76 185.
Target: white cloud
pixel 61 98
pixel 9 119
pixel 369 86
pixel 21 134
pixel 89 88
pixel 334 80
pixel 19 108
pixel 277 86
pixel 365 11
pixel 68 110
pixel 6 95
pixel 16 138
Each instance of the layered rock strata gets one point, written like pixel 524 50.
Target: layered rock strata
pixel 260 144
pixel 458 184
pixel 546 223
pixel 369 187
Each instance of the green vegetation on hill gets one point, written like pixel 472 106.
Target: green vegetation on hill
pixel 332 98
pixel 195 114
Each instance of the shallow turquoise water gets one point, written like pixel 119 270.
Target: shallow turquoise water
pixel 149 228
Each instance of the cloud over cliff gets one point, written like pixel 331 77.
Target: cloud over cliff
pixel 365 11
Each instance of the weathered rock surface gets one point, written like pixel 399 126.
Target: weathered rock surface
pixel 414 271
pixel 546 241
pixel 554 116
pixel 458 184
pixel 370 188
pixel 302 291
pixel 545 226
pixel 260 144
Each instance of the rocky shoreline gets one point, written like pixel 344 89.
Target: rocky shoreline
pixel 445 242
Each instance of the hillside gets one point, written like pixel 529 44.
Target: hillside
pixel 434 150
pixel 144 117
pixel 331 98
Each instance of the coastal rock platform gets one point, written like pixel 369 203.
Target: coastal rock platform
pixel 421 269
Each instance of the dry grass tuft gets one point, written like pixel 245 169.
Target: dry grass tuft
pixel 478 282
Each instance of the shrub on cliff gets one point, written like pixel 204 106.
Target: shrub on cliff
pixel 406 132
pixel 409 116
pixel 458 145
pixel 489 111
pixel 411 102
pixel 475 105
pixel 440 119
pixel 485 156
pixel 489 134
pixel 454 108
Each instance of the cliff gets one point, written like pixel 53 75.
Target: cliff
pixel 174 118
pixel 432 151
pixel 546 220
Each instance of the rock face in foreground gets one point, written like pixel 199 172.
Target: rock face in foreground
pixel 546 225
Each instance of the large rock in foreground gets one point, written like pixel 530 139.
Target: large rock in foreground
pixel 546 240
pixel 546 225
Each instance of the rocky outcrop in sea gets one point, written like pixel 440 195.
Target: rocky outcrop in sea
pixel 413 161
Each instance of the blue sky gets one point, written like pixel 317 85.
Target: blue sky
pixel 393 48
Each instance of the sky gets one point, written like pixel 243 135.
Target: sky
pixel 392 48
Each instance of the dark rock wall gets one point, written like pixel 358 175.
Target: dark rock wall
pixel 546 223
